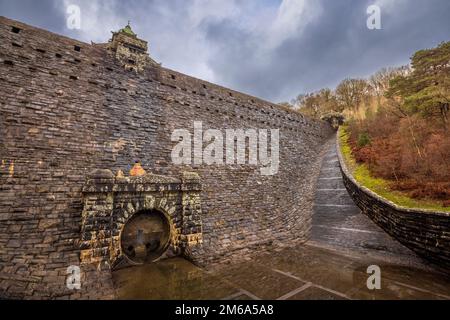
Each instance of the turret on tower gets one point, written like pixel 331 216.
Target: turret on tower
pixel 131 51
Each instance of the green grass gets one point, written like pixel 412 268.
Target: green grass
pixel 378 185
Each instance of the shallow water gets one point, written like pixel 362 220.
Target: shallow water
pixel 307 272
pixel 174 278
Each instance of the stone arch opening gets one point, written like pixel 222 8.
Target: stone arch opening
pixel 166 210
pixel 145 237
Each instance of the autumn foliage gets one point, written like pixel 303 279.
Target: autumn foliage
pixel 398 122
pixel 413 154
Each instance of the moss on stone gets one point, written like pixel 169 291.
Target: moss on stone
pixel 128 30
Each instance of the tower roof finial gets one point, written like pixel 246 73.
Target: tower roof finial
pixel 128 30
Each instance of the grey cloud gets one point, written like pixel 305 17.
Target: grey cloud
pixel 228 42
pixel 336 46
pixel 43 14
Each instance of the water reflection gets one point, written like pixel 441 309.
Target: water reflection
pixel 306 272
pixel 169 279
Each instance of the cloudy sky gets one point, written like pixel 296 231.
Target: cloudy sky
pixel 274 49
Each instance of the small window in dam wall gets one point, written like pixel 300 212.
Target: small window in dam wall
pixel 15 30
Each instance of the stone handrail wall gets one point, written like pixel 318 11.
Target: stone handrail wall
pixel 425 232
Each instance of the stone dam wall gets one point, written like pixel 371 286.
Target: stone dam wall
pixel 68 108
pixel 423 231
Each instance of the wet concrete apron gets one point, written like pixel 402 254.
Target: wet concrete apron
pixel 332 265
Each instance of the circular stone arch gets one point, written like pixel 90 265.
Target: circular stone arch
pixel 145 236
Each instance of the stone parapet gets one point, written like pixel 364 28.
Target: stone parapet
pixel 425 232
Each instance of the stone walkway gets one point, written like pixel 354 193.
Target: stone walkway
pixel 338 223
pixel 332 265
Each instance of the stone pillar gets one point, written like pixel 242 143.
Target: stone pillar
pixel 96 219
pixel 191 234
pixel 96 236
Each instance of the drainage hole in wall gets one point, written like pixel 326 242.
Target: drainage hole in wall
pixel 15 30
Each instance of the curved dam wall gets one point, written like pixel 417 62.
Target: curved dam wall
pixel 423 231
pixel 67 112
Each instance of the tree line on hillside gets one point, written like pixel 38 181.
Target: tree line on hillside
pixel 349 97
pixel 398 122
